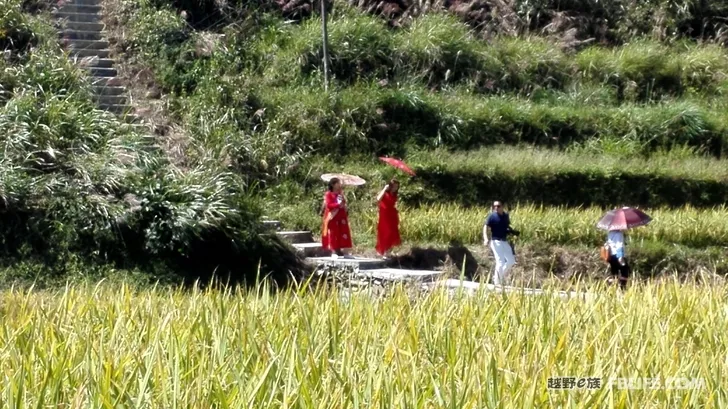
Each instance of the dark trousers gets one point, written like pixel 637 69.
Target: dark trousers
pixel 619 270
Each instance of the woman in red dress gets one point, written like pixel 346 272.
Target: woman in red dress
pixel 388 226
pixel 335 232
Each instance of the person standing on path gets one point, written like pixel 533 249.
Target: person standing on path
pixel 335 231
pixel 617 260
pixel 495 231
pixel 388 226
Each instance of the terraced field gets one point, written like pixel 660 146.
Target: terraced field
pixel 560 134
pixel 560 109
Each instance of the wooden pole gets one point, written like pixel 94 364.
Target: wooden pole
pixel 325 35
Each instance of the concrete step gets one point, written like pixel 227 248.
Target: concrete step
pixel 78 17
pixel 84 26
pixel 111 99
pixel 89 53
pixel 106 81
pixel 361 262
pixel 87 2
pixel 117 109
pixel 271 225
pixel 397 274
pixel 102 72
pixel 81 8
pixel 93 61
pixel 311 249
pixel 71 34
pixel 109 91
pixel 296 236
pixel 87 44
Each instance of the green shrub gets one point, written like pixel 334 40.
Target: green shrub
pixel 533 63
pixel 163 39
pixel 16 31
pixel 437 50
pixel 359 47
pixel 704 68
pixel 77 183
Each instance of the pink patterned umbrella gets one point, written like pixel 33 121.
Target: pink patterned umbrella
pixel 623 219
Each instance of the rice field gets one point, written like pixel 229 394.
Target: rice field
pixel 114 346
pixel 442 223
pixel 687 226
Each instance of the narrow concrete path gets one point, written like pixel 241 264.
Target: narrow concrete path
pixel 367 268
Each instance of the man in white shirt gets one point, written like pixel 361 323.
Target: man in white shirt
pixel 498 226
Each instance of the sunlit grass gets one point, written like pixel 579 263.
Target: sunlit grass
pixel 688 226
pixel 116 347
pixel 443 223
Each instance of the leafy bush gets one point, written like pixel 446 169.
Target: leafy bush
pixel 16 31
pixel 359 46
pixel 163 39
pixel 438 50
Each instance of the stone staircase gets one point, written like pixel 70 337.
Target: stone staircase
pixel 315 255
pixel 82 35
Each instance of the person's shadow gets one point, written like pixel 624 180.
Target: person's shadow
pixel 432 258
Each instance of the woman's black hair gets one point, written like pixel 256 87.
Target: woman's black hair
pixel 333 183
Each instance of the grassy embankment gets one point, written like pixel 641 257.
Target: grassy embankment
pixel 83 194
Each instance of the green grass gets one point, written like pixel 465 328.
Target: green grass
pixel 599 173
pixel 252 112
pixel 367 118
pixel 439 51
pixel 596 157
pixel 106 346
pixel 445 87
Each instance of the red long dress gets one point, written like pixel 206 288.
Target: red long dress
pixel 388 226
pixel 335 232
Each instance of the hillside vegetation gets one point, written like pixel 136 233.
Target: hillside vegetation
pixel 562 109
pixel 538 103
pixel 556 104
pixel 79 187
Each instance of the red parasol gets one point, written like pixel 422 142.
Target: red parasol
pixel 623 219
pixel 398 164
